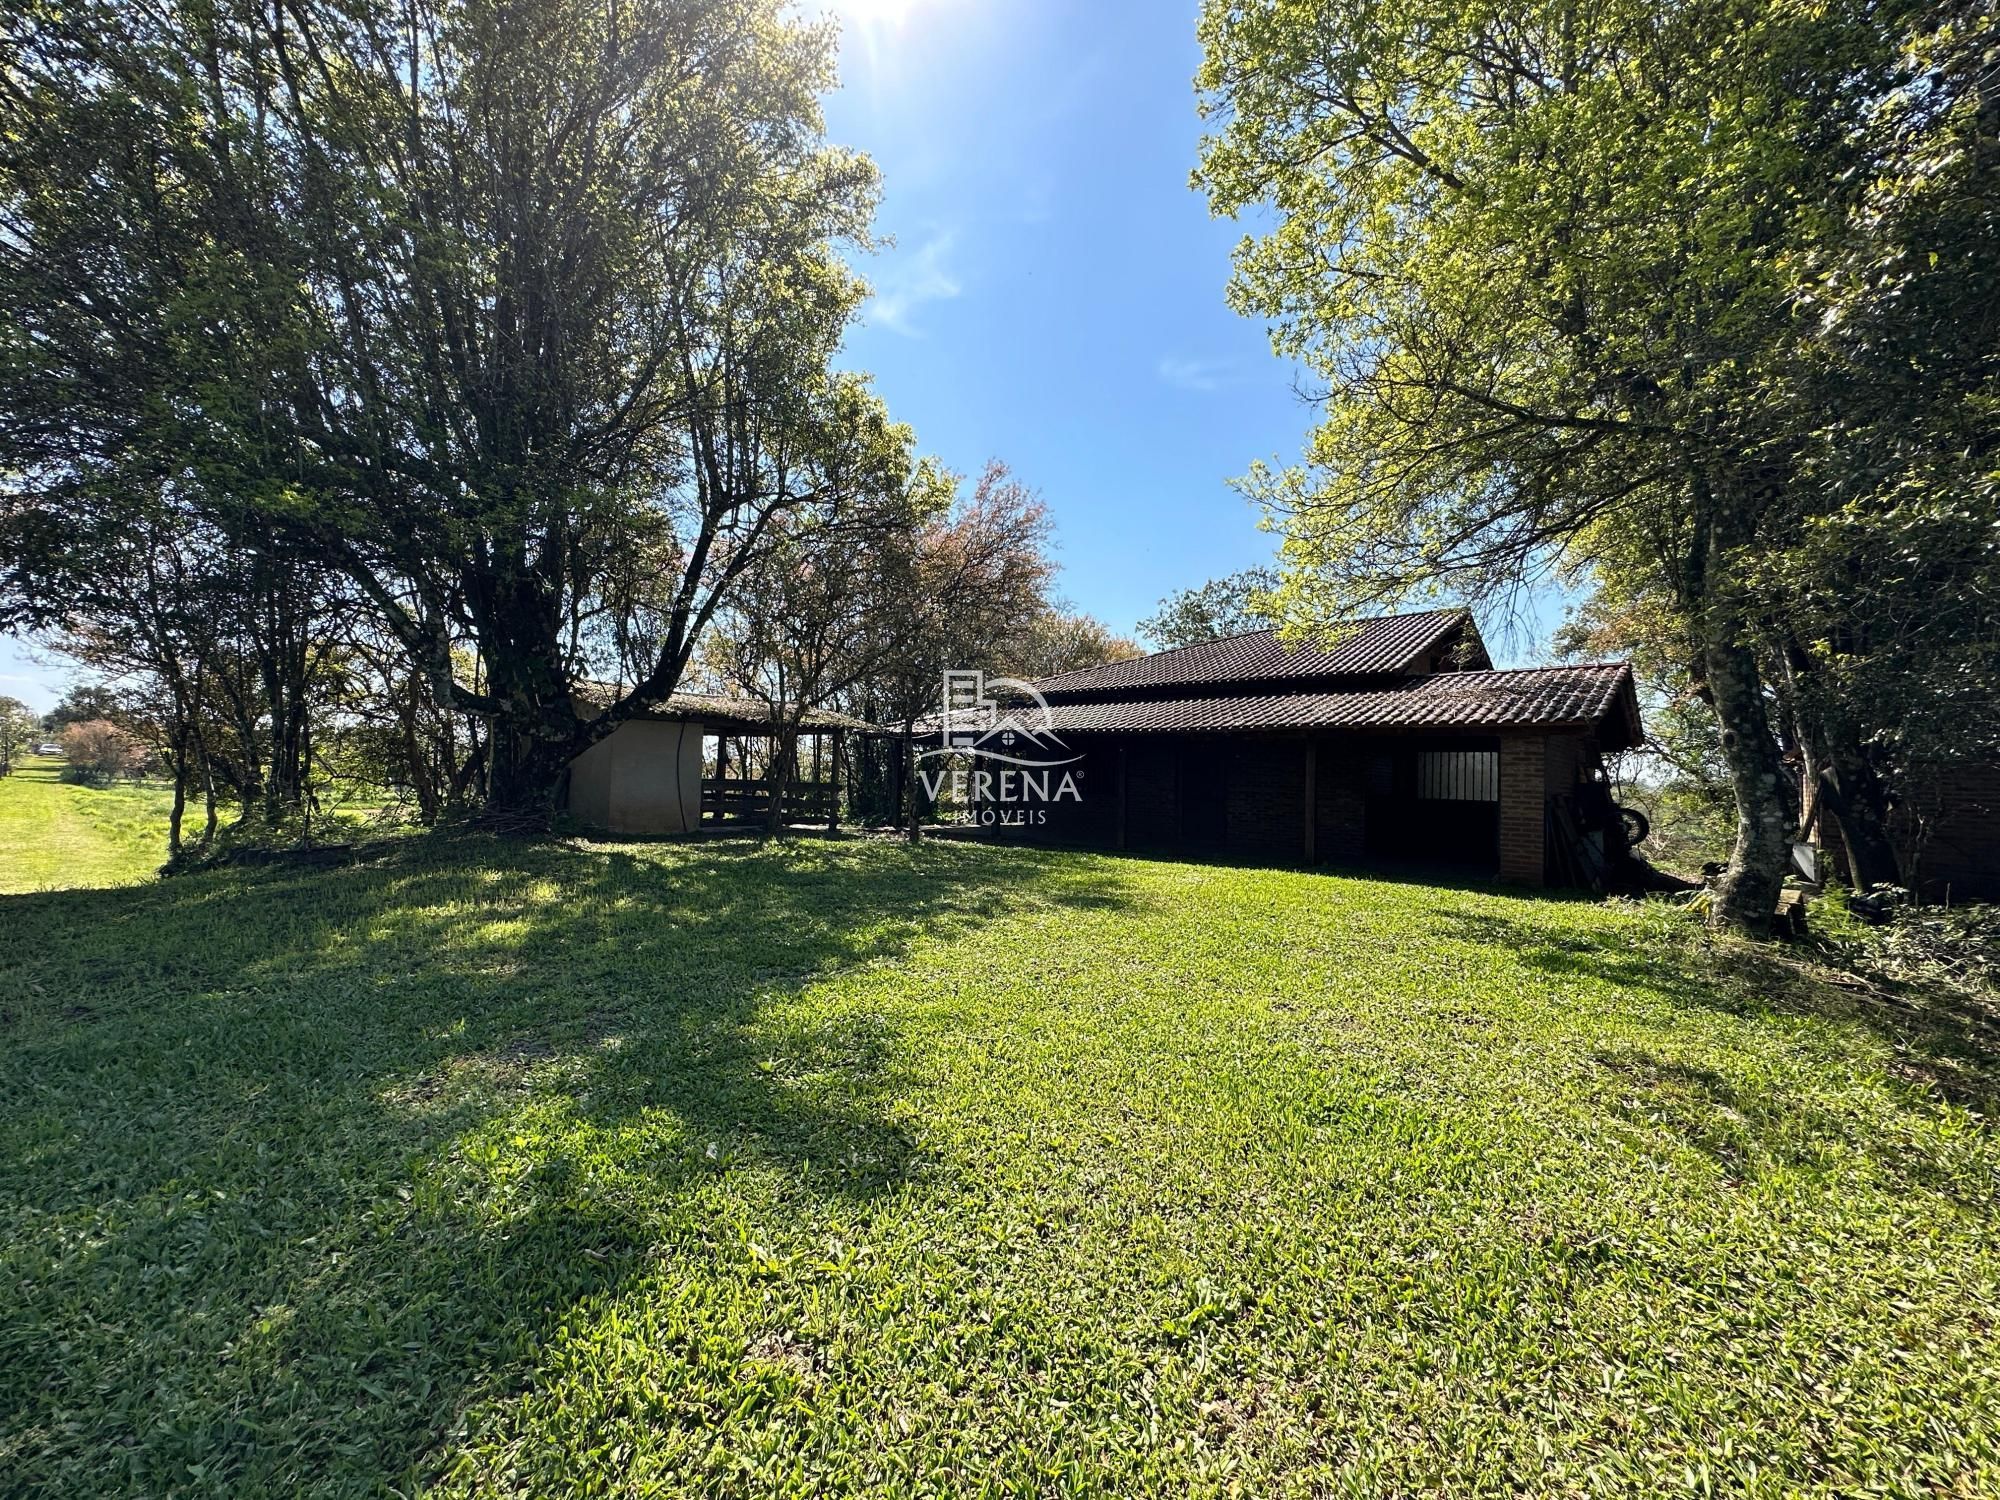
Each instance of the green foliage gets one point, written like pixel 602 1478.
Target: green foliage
pixel 1696 300
pixel 859 1168
pixel 81 703
pixel 17 726
pixel 97 752
pixel 1941 948
pixel 1527 253
pixel 519 317
pixel 1059 639
pixel 1220 607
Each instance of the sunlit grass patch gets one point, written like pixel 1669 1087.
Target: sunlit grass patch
pixel 54 836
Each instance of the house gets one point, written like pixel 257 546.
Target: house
pixel 668 769
pixel 1397 743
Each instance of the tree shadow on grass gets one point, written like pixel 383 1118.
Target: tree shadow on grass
pixel 1944 1043
pixel 296 1166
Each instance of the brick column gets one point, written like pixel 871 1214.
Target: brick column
pixel 1523 798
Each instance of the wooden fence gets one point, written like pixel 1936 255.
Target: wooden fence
pixel 736 799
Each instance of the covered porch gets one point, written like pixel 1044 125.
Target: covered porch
pixel 744 771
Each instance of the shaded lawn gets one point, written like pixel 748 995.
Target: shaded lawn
pixel 847 1168
pixel 56 836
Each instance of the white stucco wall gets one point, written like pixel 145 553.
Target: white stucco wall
pixel 643 777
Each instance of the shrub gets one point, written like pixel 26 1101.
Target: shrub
pixel 98 752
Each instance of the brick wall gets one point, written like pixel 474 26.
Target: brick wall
pixel 1341 810
pixel 1564 762
pixel 1152 792
pixel 1267 799
pixel 1524 772
pixel 1960 855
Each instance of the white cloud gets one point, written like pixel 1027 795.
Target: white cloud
pixel 1199 374
pixel 908 285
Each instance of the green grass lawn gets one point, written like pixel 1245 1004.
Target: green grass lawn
pixel 851 1169
pixel 54 836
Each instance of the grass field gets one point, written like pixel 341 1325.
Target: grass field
pixel 851 1169
pixel 55 836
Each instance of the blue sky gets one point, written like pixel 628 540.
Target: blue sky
pixel 1054 296
pixel 1054 293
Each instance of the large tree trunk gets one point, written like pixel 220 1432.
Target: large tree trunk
pixel 535 732
pixel 780 773
pixel 523 776
pixel 178 754
pixel 1746 898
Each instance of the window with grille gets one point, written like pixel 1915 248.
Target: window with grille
pixel 1458 775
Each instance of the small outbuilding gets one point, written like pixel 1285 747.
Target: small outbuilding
pixel 695 760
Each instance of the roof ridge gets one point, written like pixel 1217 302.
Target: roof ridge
pixel 1214 640
pixel 1244 635
pixel 1558 666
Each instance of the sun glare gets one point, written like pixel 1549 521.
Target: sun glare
pixel 875 12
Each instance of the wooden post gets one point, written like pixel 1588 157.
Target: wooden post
pixel 833 782
pixel 1121 794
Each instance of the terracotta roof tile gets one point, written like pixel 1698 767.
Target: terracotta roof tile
pixel 744 715
pixel 1536 698
pixel 1384 646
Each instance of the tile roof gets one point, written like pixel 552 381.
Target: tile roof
pixel 713 708
pixel 1378 647
pixel 1535 698
pixel 747 715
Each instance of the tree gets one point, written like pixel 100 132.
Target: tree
pixel 97 751
pixel 972 580
pixel 870 614
pixel 518 316
pixel 86 700
pixel 1221 607
pixel 216 642
pixel 1680 770
pixel 822 613
pixel 17 723
pixel 1058 639
pixel 1882 600
pixel 389 730
pixel 1547 262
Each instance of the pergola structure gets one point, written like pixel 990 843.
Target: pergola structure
pixel 744 771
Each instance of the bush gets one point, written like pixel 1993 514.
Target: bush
pixel 98 752
pixel 1905 940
